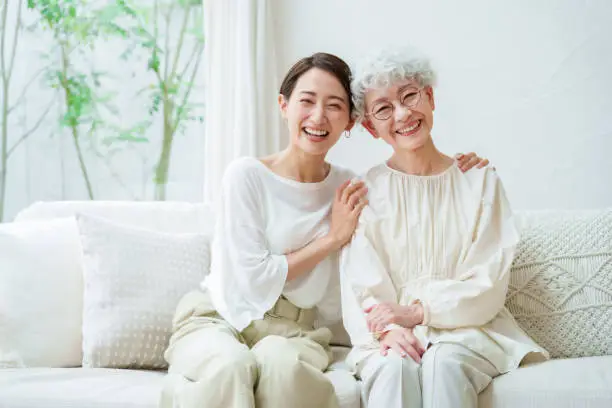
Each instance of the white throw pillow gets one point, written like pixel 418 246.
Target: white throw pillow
pixel 133 281
pixel 40 294
pixel 561 282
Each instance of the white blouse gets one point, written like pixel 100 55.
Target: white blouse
pixel 447 240
pixel 261 217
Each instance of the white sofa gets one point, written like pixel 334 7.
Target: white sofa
pixel 560 293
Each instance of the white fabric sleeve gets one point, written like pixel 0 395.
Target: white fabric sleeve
pixel 479 293
pixel 353 317
pixel 240 240
pixel 364 280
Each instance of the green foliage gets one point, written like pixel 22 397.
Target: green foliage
pixel 174 70
pixel 77 26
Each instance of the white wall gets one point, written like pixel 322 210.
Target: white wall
pixel 525 83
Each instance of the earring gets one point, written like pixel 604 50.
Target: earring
pixel 347 134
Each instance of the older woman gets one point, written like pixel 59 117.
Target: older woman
pixel 424 278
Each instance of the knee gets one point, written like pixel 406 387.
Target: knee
pixel 240 365
pixel 391 381
pixel 241 362
pixel 396 367
pixel 275 353
pixel 442 359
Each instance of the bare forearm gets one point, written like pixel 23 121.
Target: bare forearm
pixel 306 258
pixel 411 315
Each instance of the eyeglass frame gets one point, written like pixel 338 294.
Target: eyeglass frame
pixel 410 106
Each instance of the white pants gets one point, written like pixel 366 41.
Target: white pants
pixel 274 363
pixel 449 376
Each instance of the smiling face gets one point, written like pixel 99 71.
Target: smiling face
pixel 317 111
pixel 401 115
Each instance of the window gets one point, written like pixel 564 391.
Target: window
pixel 101 101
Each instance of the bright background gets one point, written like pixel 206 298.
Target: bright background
pixel 527 84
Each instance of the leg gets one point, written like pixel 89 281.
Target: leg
pixel 291 374
pixel 390 381
pixel 209 367
pixel 453 376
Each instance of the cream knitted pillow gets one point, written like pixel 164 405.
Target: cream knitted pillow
pixel 134 279
pixel 561 282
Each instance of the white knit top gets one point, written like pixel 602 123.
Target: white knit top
pixel 447 240
pixel 262 217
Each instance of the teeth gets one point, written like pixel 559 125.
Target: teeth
pixel 316 132
pixel 410 128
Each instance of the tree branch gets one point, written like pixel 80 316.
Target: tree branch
pixel 190 60
pixel 3 43
pixel 180 42
pixel 15 39
pixel 106 162
pixel 188 91
pixel 167 41
pixel 32 130
pixel 155 24
pixel 25 89
pixel 156 36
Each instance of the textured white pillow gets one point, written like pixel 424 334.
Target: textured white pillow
pixel 40 294
pixel 133 281
pixel 561 282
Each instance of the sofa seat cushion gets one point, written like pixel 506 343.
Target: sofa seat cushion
pixel 579 382
pixel 79 388
pixel 117 388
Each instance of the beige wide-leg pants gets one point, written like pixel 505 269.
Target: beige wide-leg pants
pixel 449 376
pixel 275 362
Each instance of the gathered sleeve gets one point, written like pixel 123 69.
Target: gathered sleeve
pixel 240 246
pixel 478 292
pixel 364 279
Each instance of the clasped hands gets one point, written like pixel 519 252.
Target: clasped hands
pixel 393 324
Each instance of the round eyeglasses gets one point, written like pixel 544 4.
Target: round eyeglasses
pixel 408 98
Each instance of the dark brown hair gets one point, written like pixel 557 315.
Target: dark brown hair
pixel 324 61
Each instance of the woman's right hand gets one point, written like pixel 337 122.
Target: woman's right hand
pixel 348 203
pixel 403 342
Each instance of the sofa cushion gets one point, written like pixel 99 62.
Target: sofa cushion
pixel 175 217
pixel 79 388
pixel 566 383
pixel 133 280
pixel 561 281
pixel 164 216
pixel 41 289
pixel 105 388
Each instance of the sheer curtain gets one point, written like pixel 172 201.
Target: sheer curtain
pixel 241 115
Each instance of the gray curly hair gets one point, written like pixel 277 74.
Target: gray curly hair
pixel 386 68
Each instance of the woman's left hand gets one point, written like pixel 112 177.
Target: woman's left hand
pixel 381 315
pixel 469 160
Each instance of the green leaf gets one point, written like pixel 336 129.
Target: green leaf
pixel 190 3
pixel 154 62
pixel 127 137
pixel 156 102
